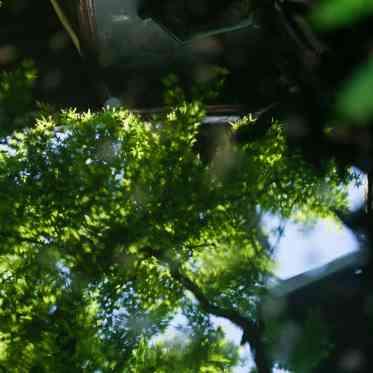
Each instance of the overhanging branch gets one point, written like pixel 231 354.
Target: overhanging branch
pixel 252 331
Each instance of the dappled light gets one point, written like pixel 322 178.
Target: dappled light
pixel 186 186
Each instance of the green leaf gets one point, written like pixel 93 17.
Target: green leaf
pixel 335 13
pixel 356 97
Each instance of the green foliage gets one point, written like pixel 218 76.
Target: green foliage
pixel 205 352
pixel 208 87
pixel 97 210
pixel 353 102
pixel 335 13
pixel 16 101
pixel 300 348
pixel 313 346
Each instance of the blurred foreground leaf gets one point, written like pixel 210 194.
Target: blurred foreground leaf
pixel 355 99
pixel 335 13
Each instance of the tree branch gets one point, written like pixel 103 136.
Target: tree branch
pixel 252 331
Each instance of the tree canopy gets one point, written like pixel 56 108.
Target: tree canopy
pixel 113 224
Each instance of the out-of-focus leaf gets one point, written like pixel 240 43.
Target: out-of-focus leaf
pixel 336 13
pixel 356 98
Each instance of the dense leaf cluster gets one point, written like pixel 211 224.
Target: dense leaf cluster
pixel 106 220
